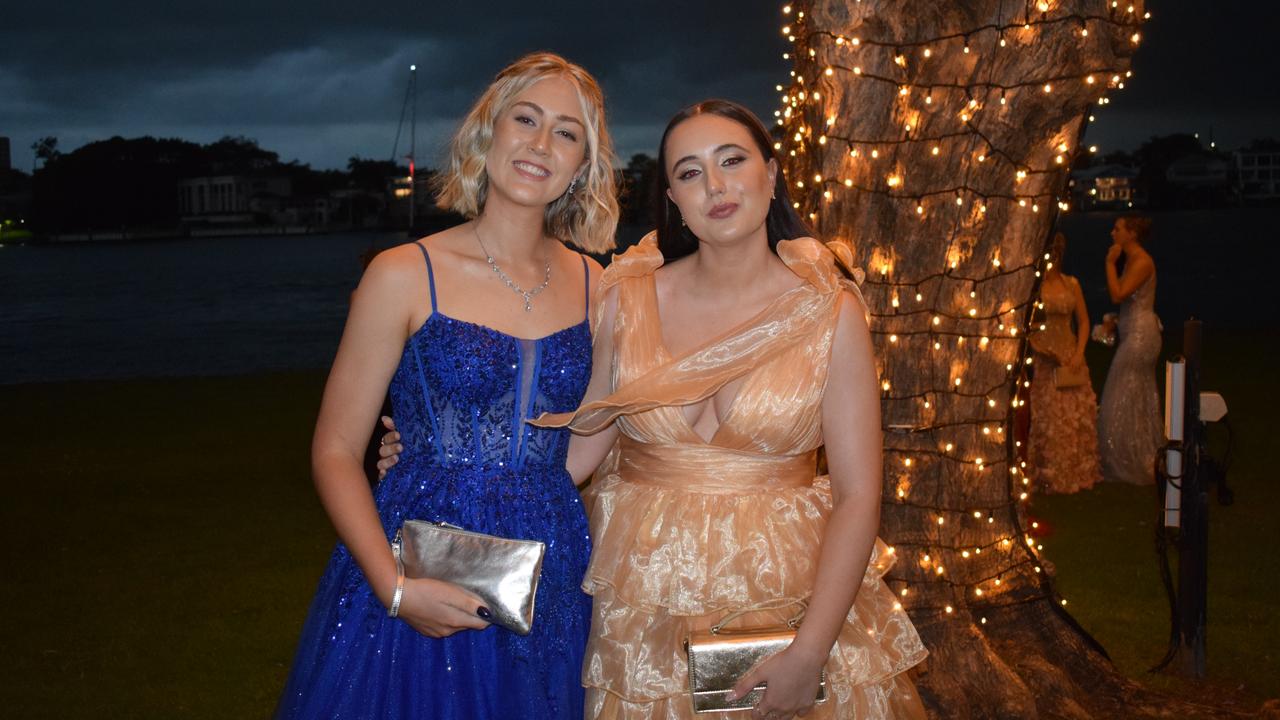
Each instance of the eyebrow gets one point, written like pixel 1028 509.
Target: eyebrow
pixel 722 148
pixel 561 118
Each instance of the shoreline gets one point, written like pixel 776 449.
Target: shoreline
pixel 429 224
pixel 435 223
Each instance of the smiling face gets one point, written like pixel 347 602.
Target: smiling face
pixel 539 144
pixel 719 179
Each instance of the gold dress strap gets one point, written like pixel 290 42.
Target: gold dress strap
pixel 700 373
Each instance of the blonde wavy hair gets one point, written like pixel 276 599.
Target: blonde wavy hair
pixel 587 218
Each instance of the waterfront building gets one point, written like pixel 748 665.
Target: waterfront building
pixel 1257 175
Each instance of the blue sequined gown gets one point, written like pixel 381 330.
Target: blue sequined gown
pixel 460 396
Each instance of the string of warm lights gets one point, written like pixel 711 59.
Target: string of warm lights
pixel 1081 19
pixel 879 276
pixel 969 317
pixel 970 131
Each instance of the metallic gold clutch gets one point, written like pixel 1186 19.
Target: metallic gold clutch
pixel 501 572
pixel 718 658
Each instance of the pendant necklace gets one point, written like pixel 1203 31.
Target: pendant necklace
pixel 526 294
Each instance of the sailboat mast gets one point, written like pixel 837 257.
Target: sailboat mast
pixel 413 141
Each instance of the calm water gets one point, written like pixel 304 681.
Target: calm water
pixel 241 305
pixel 183 307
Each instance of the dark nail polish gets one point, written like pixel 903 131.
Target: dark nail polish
pixel 484 613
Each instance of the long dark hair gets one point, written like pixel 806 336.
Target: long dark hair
pixel 782 223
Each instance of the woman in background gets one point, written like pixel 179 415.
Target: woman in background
pixel 1129 424
pixel 1064 409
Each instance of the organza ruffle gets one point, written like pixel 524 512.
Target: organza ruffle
pixel 674 561
pixel 687 529
pixel 693 553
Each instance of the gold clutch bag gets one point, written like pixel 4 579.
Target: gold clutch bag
pixel 1068 376
pixel 501 572
pixel 719 657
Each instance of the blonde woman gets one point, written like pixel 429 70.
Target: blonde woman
pixel 472 330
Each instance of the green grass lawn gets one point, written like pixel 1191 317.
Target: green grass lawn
pixel 162 541
pixel 1103 541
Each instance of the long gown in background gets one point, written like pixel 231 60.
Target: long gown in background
pixel 461 395
pixel 686 530
pixel 1064 430
pixel 1130 430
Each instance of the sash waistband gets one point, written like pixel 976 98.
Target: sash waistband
pixel 710 469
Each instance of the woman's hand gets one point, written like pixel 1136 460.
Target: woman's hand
pixel 439 609
pixel 792 679
pixel 389 448
pixel 1076 359
pixel 1113 253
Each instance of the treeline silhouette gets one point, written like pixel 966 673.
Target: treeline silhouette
pixel 133 183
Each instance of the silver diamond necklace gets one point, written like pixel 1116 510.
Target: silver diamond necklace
pixel 526 294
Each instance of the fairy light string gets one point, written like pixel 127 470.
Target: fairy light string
pixel 946 432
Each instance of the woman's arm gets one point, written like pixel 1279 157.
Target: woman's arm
pixel 851 427
pixel 371 345
pixel 1136 271
pixel 1082 323
pixel 586 452
pixel 362 369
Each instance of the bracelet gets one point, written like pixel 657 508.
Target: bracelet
pixel 394 610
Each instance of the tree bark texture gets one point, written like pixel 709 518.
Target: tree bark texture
pixel 936 138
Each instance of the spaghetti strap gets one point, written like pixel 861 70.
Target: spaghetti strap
pixel 586 285
pixel 431 275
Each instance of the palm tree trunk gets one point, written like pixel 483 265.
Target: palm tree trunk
pixel 936 138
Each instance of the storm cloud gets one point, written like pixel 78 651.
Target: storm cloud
pixel 322 81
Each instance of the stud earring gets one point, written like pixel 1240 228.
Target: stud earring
pixel 572 184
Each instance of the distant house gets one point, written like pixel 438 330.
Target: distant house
pixel 309 211
pixel 1198 171
pixel 1104 187
pixel 232 199
pixel 1257 174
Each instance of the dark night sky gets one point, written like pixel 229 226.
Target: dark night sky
pixel 322 81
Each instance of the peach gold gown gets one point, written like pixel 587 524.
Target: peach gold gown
pixel 1064 421
pixel 686 530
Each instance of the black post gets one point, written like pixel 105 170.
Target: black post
pixel 1193 544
